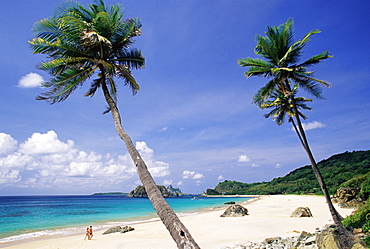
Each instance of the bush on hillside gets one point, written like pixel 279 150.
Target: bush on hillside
pixel 359 218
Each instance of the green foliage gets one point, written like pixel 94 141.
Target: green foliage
pixel 366 227
pixel 359 218
pixel 365 187
pixel 84 42
pixel 362 182
pixel 212 192
pixel 345 170
pixel 367 241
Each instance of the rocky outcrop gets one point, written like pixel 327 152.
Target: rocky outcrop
pixel 321 239
pixel 235 211
pixel 229 202
pixel 301 212
pixel 328 239
pixel 348 198
pixel 140 192
pixel 119 229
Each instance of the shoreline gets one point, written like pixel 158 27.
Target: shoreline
pixel 268 216
pixel 100 226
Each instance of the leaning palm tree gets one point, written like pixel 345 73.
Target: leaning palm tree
pixel 281 63
pixel 95 42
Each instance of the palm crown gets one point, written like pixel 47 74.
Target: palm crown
pixel 281 56
pixel 281 106
pixel 82 42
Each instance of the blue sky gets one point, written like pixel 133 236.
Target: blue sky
pixel 193 119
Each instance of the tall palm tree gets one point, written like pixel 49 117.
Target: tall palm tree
pixel 95 42
pixel 281 63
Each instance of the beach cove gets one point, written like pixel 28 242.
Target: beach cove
pixel 268 216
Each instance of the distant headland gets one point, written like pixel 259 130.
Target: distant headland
pixel 111 193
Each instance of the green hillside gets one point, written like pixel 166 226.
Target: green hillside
pixel 335 170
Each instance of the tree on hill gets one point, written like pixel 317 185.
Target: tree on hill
pixel 348 169
pixel 95 42
pixel 281 63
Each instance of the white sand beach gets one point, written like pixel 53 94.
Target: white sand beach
pixel 268 217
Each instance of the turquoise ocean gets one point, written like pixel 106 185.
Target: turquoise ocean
pixel 27 217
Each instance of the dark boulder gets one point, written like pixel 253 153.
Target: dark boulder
pixel 229 202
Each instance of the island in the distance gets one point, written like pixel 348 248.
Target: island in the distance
pixel 111 193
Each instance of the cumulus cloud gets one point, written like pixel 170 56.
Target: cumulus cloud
pixel 156 168
pixel 255 165
pixel 7 144
pixel 243 159
pixel 192 175
pixel 30 80
pixel 45 162
pixel 313 125
pixel 167 182
pixel 220 177
pixel 47 143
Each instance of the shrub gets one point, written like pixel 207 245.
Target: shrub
pixel 366 227
pixel 358 219
pixel 365 187
pixel 367 241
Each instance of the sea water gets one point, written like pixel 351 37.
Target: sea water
pixel 25 217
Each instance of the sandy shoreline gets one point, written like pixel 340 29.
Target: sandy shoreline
pixel 268 217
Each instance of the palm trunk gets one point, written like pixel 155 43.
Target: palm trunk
pixel 297 132
pixel 345 236
pixel 178 231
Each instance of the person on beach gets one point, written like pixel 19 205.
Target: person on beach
pixel 91 232
pixel 87 234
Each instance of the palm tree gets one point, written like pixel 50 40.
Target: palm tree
pixel 281 63
pixel 282 106
pixel 83 43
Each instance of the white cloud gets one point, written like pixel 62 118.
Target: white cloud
pixel 30 80
pixel 255 165
pixel 220 177
pixel 243 159
pixel 167 182
pixel 191 174
pixel 163 129
pixel 8 177
pixel 313 125
pixel 16 161
pixel 179 183
pixel 156 168
pixel 7 143
pixel 45 144
pixel 277 166
pixel 143 148
pixel 198 182
pixel 43 161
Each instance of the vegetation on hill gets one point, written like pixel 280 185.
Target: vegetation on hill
pixel 361 217
pixel 336 170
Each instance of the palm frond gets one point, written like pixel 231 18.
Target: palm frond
pixel 265 92
pixel 315 59
pixel 129 80
pixel 64 84
pixel 132 58
pixel 79 41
